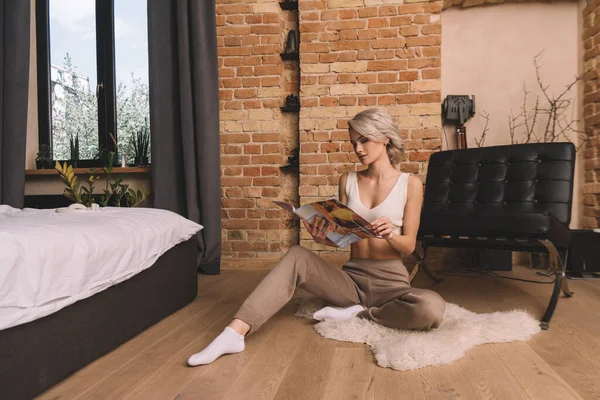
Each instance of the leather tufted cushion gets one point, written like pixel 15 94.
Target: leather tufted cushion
pixel 508 190
pixel 497 225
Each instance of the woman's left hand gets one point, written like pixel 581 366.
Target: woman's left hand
pixel 382 227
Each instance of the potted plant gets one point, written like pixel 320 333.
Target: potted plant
pixel 140 142
pixel 74 148
pixel 44 157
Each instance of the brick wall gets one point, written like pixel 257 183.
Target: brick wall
pixel 357 54
pixel 354 54
pixel 591 153
pixel 255 137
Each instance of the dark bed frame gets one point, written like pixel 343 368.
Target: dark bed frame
pixel 37 355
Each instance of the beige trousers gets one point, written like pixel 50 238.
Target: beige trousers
pixel 380 286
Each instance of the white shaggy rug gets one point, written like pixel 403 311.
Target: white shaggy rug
pixel 405 350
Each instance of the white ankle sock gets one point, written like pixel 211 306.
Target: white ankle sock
pixel 228 342
pixel 334 313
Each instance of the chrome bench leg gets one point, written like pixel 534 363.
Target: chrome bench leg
pixel 558 268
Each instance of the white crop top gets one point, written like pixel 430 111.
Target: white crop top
pixel 392 207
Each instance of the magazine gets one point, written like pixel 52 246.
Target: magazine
pixel 347 226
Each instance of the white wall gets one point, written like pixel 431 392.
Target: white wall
pixel 488 52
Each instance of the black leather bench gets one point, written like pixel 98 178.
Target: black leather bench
pixel 515 197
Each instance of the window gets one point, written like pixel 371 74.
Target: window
pixel 92 59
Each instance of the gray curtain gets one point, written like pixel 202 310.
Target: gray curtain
pixel 14 86
pixel 184 118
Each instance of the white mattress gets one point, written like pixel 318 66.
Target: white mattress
pixel 50 260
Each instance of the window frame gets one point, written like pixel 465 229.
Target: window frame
pixel 105 71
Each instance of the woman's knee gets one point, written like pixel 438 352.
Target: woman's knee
pixel 297 251
pixel 432 309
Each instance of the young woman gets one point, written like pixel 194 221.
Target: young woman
pixel 373 284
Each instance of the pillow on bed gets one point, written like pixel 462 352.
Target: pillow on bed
pixel 49 260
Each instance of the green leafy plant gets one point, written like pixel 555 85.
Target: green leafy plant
pixel 114 193
pixel 141 145
pixel 44 157
pixel 75 191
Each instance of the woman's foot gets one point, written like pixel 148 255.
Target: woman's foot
pixel 228 342
pixel 334 313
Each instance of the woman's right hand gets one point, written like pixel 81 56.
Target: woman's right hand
pixel 319 228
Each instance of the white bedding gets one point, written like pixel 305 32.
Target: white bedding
pixel 50 260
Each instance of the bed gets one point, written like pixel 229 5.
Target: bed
pixel 77 285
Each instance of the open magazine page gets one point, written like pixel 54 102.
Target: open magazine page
pixel 347 226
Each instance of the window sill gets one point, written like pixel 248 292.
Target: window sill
pixel 85 171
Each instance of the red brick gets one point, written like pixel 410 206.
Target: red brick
pixel 252 104
pixel 348 101
pixel 386 100
pixel 346 56
pixel 270 224
pixel 385 65
pixel 350 45
pixel 267 159
pixel 236 181
pixel 266 137
pixel 387 77
pixel 401 21
pixel 365 34
pixel 240 224
pixel 420 156
pixel 235 138
pixel 267 181
pixel 424 41
pixel 233 41
pixel 250 82
pixel 431 98
pixel 435 73
pixel 269 171
pixel 368 12
pixel 412 30
pixel 273 148
pixel 233 9
pixel 379 22
pixel 328 58
pixel 245 93
pixel 265 29
pixel 328 101
pixel 313 158
pixel 366 55
pixel 432 29
pixel 347 78
pixel 253 19
pixel 348 14
pixel 251 171
pixel 409 75
pixel 233 150
pixel 233 105
pixel 235 160
pixel 232 171
pixel 393 43
pixel 349 34
pixel 388 11
pixel 367 100
pixel 388 88
pixel 330 15
pixel 344 25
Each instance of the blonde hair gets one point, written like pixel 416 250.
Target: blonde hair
pixel 377 125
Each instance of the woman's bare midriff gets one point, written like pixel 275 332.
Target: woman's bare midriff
pixel 374 249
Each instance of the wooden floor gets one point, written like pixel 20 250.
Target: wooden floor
pixel 287 359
